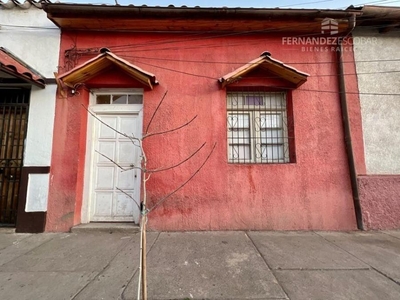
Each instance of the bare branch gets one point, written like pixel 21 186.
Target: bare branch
pixel 132 138
pixel 147 178
pixel 155 112
pixel 183 184
pixel 111 160
pixel 178 164
pixel 128 196
pixel 170 130
pixel 131 167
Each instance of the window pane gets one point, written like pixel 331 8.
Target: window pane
pixel 275 101
pixel 272 136
pixel 103 99
pixel 233 100
pixel 269 101
pixel 239 136
pixel 135 99
pixel 119 99
pixel 254 100
pixel 238 121
pixel 272 152
pixel 271 121
pixel 239 152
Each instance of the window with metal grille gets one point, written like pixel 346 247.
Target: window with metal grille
pixel 258 130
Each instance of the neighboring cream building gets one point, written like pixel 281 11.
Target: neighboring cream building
pixel 28 59
pixel 377 57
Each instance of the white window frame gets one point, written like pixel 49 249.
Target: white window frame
pixel 115 107
pixel 255 137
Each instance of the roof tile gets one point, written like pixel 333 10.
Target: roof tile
pixel 14 66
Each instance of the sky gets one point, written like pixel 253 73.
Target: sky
pixel 323 4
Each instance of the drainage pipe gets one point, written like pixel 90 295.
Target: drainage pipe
pixel 347 138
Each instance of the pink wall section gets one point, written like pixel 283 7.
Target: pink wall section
pixel 313 193
pixel 379 195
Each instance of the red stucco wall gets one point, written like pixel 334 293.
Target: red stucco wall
pixel 67 163
pixel 380 200
pixel 313 193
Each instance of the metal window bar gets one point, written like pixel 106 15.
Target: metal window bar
pixel 257 125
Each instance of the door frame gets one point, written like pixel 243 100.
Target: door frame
pixel 86 210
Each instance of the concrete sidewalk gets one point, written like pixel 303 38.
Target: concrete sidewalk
pixel 202 265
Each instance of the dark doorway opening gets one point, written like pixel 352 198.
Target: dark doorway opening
pixel 14 105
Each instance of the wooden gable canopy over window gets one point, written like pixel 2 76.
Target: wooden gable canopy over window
pixel 14 70
pixel 267 63
pixel 103 62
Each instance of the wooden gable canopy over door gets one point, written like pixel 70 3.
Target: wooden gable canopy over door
pixel 100 64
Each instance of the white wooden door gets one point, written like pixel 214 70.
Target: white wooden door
pixel 109 204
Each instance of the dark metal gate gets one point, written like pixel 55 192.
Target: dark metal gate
pixel 14 104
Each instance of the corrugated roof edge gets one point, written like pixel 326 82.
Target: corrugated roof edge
pixel 27 4
pixel 57 3
pixel 373 15
pixel 62 10
pixel 39 4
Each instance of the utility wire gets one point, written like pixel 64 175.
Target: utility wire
pixel 150 46
pixel 297 4
pixel 239 33
pixel 270 77
pixel 373 2
pixel 299 89
pixel 242 63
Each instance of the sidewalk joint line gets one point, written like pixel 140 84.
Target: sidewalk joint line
pixel 393 236
pixel 24 238
pixel 102 270
pixel 322 269
pixel 124 287
pixel 373 268
pixel 29 251
pixel 387 276
pixel 266 263
pixel 262 298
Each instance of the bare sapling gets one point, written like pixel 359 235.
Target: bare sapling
pixel 146 173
